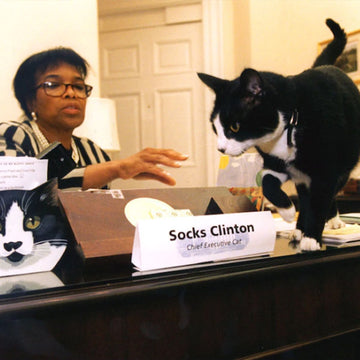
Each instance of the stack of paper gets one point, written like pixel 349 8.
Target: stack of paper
pixel 349 233
pixel 342 235
pixel 351 218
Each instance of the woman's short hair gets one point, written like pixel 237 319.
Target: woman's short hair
pixel 25 79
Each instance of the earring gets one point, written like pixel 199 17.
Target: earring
pixel 33 116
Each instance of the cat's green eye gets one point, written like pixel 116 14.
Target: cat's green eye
pixel 235 128
pixel 32 223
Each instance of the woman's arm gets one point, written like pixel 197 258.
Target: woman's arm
pixel 17 139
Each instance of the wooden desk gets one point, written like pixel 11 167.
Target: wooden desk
pixel 240 310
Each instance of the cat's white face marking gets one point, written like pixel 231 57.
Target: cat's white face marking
pixel 22 241
pixel 230 147
pixel 233 147
pixel 274 143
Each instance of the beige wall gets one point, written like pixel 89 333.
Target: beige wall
pixel 280 35
pixel 274 35
pixel 236 39
pixel 285 33
pixel 31 26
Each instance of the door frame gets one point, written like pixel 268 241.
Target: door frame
pixel 213 64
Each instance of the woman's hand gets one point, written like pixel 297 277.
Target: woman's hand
pixel 144 165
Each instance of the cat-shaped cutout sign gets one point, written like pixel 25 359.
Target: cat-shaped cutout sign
pixel 33 232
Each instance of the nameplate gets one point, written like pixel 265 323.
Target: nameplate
pixel 170 242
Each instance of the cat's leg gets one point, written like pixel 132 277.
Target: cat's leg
pixel 271 184
pixel 333 218
pixel 303 204
pixel 314 208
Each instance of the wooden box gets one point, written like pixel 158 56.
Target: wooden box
pixel 101 228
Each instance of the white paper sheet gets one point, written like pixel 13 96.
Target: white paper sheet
pixel 23 173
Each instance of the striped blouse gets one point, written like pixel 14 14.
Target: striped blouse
pixel 17 138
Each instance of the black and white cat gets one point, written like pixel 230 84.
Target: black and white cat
pixel 33 234
pixel 307 129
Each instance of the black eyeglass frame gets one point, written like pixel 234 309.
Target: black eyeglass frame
pixel 88 88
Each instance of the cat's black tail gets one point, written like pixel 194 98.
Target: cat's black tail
pixel 334 49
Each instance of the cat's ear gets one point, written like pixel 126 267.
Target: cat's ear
pixel 251 82
pixel 214 83
pixel 45 193
pixel 48 192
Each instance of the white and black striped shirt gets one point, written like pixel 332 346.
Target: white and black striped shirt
pixel 18 139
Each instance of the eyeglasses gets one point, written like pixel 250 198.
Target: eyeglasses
pixel 55 89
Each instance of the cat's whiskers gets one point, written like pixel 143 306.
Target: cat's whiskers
pixel 46 244
pixel 50 241
pixel 42 248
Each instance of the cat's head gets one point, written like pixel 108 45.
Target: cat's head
pixel 32 230
pixel 244 112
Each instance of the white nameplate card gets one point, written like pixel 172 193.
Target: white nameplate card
pixel 178 241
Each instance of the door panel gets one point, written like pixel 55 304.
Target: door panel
pixel 151 74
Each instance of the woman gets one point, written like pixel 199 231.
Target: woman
pixel 50 87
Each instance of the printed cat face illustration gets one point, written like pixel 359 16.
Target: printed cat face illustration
pixel 32 231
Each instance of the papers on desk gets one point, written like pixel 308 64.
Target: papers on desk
pixel 346 234
pixel 349 233
pixel 351 218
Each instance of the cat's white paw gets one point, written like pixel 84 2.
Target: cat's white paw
pixel 335 223
pixel 296 235
pixel 309 244
pixel 288 214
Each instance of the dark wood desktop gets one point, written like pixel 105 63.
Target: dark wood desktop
pixel 304 305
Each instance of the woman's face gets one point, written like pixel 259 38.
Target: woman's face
pixel 63 113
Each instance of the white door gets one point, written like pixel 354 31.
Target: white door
pixel 151 74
